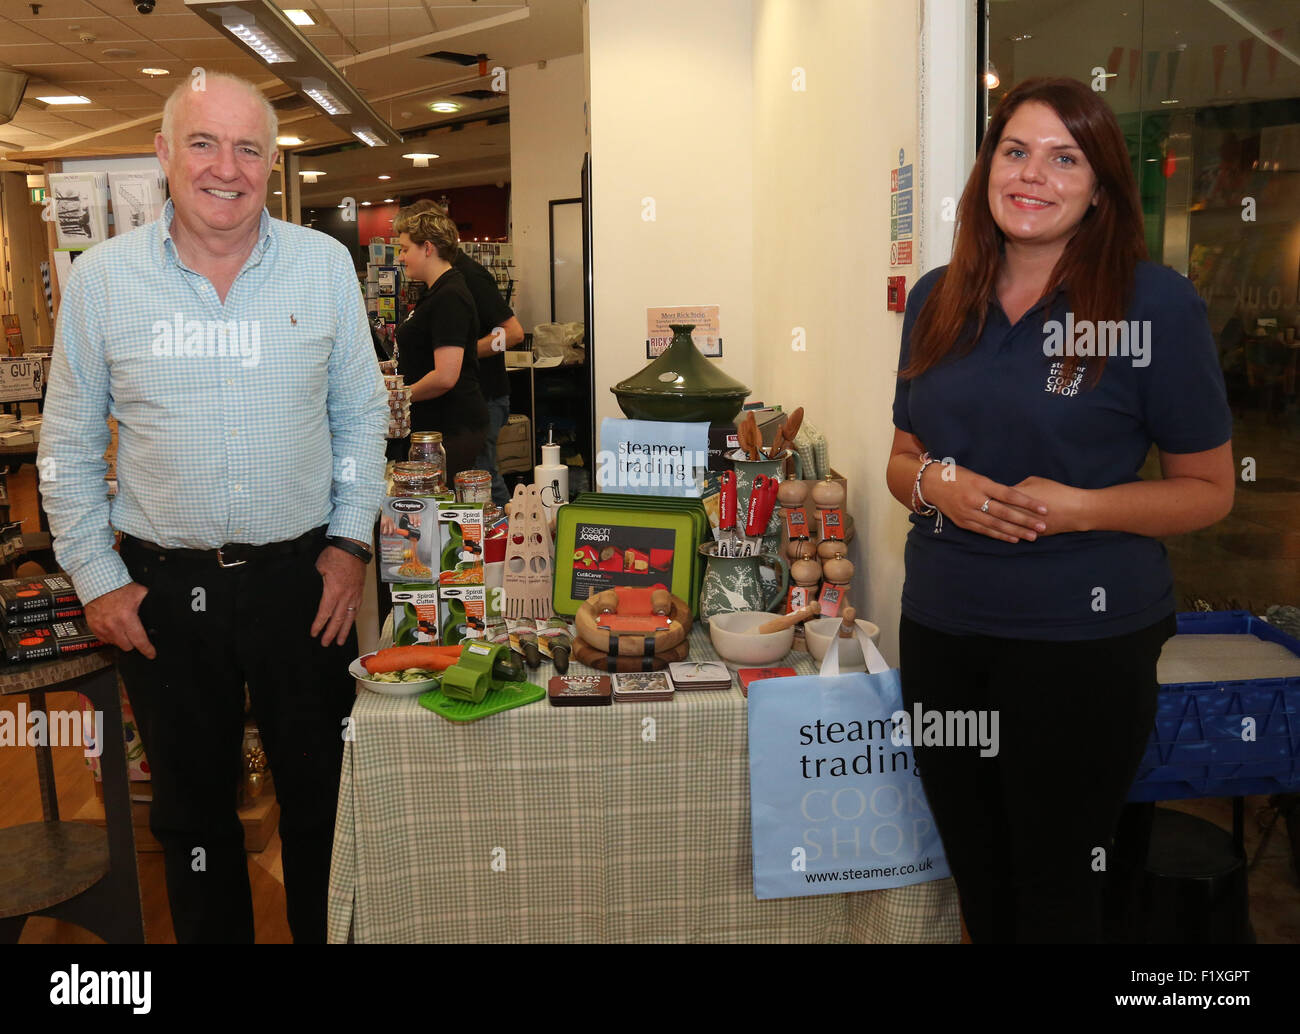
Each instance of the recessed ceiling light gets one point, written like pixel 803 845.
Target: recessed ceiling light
pixel 385 176
pixel 155 71
pixel 420 158
pixel 1169 102
pixel 364 203
pixel 289 141
pixel 310 176
pixel 444 107
pixel 276 193
pixel 389 200
pixel 64 100
pixel 299 16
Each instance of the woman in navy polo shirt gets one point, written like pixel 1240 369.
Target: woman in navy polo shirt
pixel 1037 369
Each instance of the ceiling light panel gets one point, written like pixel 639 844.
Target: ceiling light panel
pixel 261 28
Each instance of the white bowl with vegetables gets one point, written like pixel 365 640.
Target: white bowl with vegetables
pixel 405 683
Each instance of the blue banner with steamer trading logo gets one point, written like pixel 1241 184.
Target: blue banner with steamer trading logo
pixel 836 803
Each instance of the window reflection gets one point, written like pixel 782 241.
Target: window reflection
pixel 1210 107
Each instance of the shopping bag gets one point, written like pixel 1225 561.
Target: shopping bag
pixel 836 803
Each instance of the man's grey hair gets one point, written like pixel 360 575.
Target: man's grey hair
pixel 185 86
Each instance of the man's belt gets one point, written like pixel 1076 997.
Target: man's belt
pixel 234 554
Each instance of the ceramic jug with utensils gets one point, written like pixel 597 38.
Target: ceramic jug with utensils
pixel 733 583
pixel 746 472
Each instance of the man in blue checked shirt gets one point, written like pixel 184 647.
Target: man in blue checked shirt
pixel 234 353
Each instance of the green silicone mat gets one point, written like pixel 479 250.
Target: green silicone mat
pixel 511 694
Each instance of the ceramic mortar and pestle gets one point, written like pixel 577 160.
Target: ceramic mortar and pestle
pixel 749 638
pixel 819 632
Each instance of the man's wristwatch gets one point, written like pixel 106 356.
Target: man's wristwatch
pixel 359 551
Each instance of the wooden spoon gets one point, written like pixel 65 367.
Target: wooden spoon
pixel 750 440
pixel 785 436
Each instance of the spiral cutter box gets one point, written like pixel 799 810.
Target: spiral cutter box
pixel 1197 749
pixel 464 602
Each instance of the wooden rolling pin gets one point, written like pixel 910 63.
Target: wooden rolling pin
pixel 794 618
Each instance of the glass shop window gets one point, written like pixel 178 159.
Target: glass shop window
pixel 1208 95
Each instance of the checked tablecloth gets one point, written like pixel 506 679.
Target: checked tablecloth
pixel 551 824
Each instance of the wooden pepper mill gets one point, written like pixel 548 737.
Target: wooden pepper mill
pixel 791 496
pixel 828 497
pixel 831 549
pixel 837 571
pixel 835 589
pixel 805 573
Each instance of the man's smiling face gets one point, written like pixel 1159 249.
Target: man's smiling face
pixel 219 159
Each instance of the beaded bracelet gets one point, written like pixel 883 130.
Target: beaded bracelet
pixel 924 509
pixel 928 511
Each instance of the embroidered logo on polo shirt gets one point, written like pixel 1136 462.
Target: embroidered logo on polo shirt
pixel 1056 383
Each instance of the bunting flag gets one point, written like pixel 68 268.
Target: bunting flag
pixel 1276 36
pixel 1171 70
pixel 1246 48
pixel 1134 58
pixel 1220 51
pixel 1153 59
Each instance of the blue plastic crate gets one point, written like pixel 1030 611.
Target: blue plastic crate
pixel 1196 748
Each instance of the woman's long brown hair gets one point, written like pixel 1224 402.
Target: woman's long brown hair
pixel 1098 263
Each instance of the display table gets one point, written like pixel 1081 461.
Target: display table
pixel 548 824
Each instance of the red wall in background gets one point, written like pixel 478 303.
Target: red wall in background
pixel 480 212
pixel 375 221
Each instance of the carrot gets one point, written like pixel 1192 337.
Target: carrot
pixel 399 658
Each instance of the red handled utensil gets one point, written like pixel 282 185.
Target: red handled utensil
pixel 762 499
pixel 729 540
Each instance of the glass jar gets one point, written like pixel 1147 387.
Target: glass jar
pixel 473 486
pixel 426 447
pixel 418 480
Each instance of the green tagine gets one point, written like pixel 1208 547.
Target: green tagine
pixel 681 385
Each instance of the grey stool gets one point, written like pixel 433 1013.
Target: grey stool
pixel 73 871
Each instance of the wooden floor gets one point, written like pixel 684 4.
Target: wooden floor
pixel 20 802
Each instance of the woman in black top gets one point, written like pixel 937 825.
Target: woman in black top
pixel 437 344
